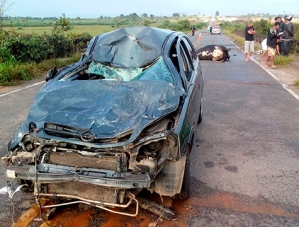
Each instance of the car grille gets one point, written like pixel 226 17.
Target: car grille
pixel 113 161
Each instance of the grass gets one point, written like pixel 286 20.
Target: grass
pixel 237 39
pixel 283 60
pixel 77 29
pixel 14 73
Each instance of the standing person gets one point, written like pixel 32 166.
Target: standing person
pixel 192 29
pixel 272 37
pixel 280 31
pixel 287 36
pixel 249 41
pixel 281 25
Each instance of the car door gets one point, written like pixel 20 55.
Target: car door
pixel 188 63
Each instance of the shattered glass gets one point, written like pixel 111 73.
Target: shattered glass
pixel 112 72
pixel 158 71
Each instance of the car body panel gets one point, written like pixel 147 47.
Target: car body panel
pixel 105 108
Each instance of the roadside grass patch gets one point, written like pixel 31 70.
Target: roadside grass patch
pixel 283 60
pixel 76 29
pixel 296 83
pixel 58 62
pixel 13 72
pixel 236 39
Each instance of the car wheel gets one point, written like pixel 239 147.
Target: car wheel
pixel 29 185
pixel 185 191
pixel 200 114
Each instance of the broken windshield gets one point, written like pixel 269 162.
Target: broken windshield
pixel 157 71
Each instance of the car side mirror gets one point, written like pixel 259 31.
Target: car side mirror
pixel 51 74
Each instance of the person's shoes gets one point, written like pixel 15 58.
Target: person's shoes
pixel 266 66
pixel 273 66
pixel 246 59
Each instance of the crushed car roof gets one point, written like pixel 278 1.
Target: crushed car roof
pixel 141 44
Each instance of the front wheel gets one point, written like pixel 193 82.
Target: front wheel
pixel 185 191
pixel 200 114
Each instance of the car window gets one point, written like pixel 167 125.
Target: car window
pixel 186 60
pixel 190 50
pixel 155 71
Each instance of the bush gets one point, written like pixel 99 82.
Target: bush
pixel 283 60
pixel 181 25
pixel 35 48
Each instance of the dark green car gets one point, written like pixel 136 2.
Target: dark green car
pixel 119 121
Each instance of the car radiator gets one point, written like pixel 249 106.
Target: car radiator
pixel 108 161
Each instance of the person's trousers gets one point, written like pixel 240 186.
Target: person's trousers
pixel 285 46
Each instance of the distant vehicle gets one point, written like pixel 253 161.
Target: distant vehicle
pixel 216 30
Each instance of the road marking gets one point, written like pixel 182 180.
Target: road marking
pixel 17 90
pixel 285 86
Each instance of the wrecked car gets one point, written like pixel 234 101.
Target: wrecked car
pixel 119 121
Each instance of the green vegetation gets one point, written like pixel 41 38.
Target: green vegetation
pixel 92 30
pixel 24 56
pixel 13 72
pixel 283 60
pixel 239 40
pixel 28 51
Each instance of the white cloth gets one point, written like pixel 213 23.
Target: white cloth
pixel 264 44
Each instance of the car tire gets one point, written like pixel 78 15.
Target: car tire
pixel 200 114
pixel 30 185
pixel 185 191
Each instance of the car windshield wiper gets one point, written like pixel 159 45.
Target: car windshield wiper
pixel 68 131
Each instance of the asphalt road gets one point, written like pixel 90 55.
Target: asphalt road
pixel 244 161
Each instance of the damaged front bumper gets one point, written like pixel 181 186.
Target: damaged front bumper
pixel 105 177
pixel 49 173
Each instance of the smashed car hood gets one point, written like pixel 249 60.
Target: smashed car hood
pixel 141 45
pixel 107 108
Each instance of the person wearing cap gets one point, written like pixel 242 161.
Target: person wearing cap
pixel 280 31
pixel 249 41
pixel 287 36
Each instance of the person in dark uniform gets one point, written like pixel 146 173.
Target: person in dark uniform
pixel 280 32
pixel 287 36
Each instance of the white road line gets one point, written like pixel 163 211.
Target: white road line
pixel 17 90
pixel 285 86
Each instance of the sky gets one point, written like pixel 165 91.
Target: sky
pixel 113 8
